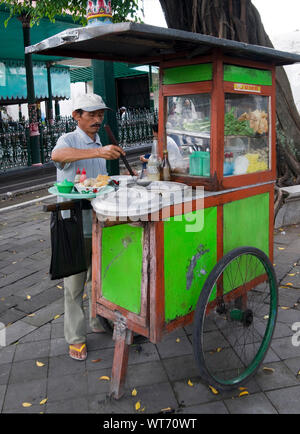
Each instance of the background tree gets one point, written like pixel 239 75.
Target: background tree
pixel 239 20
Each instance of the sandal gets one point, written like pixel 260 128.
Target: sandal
pixel 79 351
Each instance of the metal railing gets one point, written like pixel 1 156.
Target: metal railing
pixel 134 131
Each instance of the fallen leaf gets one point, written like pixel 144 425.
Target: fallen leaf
pixel 39 364
pixel 134 392
pixel 43 401
pixel 242 388
pixel 137 405
pixel 28 297
pixel 59 287
pixel 31 314
pixel 266 316
pixel 298 373
pixel 289 284
pixel 190 383
pixel 281 248
pixel 166 409
pixel 245 392
pixel 14 262
pixel 104 377
pixel 178 340
pixel 219 349
pixel 267 369
pixel 96 360
pixel 214 391
pixel 285 307
pixel 292 274
pixel 84 296
pixel 56 316
pixel 26 404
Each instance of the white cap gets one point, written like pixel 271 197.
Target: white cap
pixel 88 102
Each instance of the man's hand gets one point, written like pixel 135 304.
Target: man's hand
pixel 110 152
pixel 143 159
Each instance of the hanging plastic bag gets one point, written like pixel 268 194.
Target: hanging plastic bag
pixel 67 244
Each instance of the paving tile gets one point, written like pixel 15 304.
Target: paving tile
pixel 210 408
pixel 32 391
pixel 97 386
pixel 65 365
pixel 4 373
pixel 284 348
pixel 181 367
pixel 7 354
pixel 68 406
pixel 32 350
pixel 250 404
pixel 67 387
pixel 46 314
pixel 294 365
pixel 145 374
pixel 2 394
pixel 27 370
pixel 18 330
pixel 58 347
pixel 286 401
pixel 39 334
pixel 142 353
pixel 170 347
pixel 103 404
pixel 155 397
pixel 281 377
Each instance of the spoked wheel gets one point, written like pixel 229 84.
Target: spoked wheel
pixel 235 318
pixel 109 328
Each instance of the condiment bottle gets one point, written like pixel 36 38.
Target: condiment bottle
pixel 83 175
pixel 166 167
pixel 154 164
pixel 77 176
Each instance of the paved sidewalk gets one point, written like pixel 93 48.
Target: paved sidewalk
pixel 35 368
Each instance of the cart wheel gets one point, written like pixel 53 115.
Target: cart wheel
pixel 109 328
pixel 235 318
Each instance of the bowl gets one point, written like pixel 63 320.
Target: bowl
pixel 64 186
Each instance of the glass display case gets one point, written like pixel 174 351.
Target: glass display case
pixel 188 134
pixel 246 134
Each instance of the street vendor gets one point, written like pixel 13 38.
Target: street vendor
pixel 82 149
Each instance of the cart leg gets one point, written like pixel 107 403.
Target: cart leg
pixel 123 338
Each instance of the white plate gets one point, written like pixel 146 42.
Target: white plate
pixel 82 189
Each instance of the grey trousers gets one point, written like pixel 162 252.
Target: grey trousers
pixel 74 321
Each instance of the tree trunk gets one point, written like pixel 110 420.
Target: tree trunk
pixel 239 20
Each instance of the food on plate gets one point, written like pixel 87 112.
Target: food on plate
pixel 100 181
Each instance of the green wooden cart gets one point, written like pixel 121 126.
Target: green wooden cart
pixel 206 262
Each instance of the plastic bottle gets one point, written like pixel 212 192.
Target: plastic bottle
pixel 77 176
pixel 165 167
pixel 83 175
pixel 154 164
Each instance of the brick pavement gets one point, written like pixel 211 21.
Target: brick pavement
pixel 31 307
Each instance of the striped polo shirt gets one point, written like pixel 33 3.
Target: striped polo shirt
pixel 93 166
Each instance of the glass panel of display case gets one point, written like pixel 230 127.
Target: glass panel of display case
pixel 246 134
pixel 188 134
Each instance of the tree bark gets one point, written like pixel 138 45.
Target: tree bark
pixel 239 20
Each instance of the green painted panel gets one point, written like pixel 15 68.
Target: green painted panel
pixel 122 256
pixel 189 257
pixel 246 223
pixel 240 74
pixel 188 74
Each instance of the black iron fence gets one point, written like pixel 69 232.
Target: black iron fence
pixel 134 131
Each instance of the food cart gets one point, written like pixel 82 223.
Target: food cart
pixel 205 258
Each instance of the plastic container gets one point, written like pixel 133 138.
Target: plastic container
pixel 200 163
pixel 64 186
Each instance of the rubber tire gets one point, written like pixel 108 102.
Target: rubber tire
pixel 201 308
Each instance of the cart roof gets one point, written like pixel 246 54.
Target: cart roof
pixel 142 43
